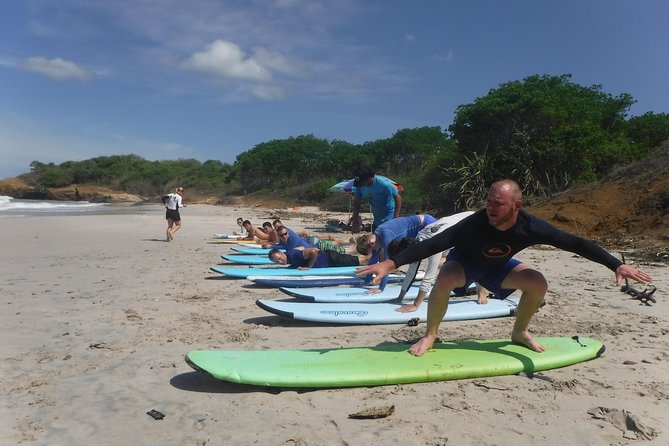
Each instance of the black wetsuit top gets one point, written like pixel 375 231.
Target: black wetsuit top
pixel 483 246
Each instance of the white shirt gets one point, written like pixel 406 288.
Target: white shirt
pixel 173 202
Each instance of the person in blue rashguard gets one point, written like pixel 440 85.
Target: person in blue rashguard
pixel 380 192
pixel 289 240
pixel 307 258
pixel 377 243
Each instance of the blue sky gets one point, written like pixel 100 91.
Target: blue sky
pixel 209 79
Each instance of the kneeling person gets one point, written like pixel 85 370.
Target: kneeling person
pixel 306 258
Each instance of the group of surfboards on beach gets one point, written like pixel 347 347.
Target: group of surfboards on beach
pixel 481 248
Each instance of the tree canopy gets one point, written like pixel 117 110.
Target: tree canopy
pixel 545 132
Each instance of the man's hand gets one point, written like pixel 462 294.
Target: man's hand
pixel 625 271
pixel 378 269
pixel 406 308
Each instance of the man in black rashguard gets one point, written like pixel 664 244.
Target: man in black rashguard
pixel 483 248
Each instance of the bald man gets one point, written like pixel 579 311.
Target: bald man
pixel 483 246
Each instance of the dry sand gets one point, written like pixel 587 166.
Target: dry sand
pixel 98 312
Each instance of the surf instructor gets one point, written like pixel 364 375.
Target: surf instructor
pixel 483 246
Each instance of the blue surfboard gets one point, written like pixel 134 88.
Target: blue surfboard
pixel 348 294
pixel 354 293
pixel 241 272
pixel 384 313
pixel 253 251
pixel 249 259
pixel 313 281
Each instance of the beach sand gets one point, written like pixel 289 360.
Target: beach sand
pixel 99 311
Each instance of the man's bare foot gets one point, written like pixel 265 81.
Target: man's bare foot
pixel 483 299
pixel 424 344
pixel 526 339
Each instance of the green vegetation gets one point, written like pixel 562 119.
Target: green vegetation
pixel 545 132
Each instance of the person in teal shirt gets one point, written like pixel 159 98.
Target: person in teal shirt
pixel 379 191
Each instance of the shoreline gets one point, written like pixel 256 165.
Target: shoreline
pixel 100 311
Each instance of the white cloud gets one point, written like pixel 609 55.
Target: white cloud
pixel 242 74
pixel 268 92
pixel 57 69
pixel 251 49
pixel 226 60
pixel 275 61
pixel 288 3
pixel 410 38
pixel 445 57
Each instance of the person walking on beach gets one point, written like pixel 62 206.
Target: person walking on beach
pixel 483 246
pixel 172 204
pixel 380 192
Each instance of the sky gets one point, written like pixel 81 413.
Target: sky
pixel 210 79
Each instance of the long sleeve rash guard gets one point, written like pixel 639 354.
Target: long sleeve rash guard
pixel 483 246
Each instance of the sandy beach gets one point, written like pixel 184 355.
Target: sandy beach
pixel 99 311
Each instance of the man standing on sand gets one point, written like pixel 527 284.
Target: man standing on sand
pixel 172 203
pixel 381 193
pixel 483 246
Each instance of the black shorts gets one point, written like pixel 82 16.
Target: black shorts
pixel 172 214
pixel 337 259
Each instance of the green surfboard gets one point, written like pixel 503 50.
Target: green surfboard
pixel 389 363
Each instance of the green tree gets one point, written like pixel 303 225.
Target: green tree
pixel 545 132
pixel 648 130
pixel 408 150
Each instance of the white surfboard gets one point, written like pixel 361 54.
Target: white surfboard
pixel 315 281
pixel 384 313
pixel 354 294
pixel 349 294
pixel 244 272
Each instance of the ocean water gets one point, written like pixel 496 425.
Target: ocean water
pixel 12 206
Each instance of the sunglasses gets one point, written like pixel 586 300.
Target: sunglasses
pixel 283 234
